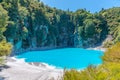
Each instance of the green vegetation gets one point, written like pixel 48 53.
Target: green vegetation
pixel 112 54
pixel 109 70
pixel 5 48
pixel 33 24
pixel 37 25
pixel 3 22
pixel 1 60
pixel 113 19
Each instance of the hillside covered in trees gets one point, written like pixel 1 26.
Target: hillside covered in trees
pixel 30 24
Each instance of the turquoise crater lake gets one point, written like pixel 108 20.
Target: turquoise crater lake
pixel 65 58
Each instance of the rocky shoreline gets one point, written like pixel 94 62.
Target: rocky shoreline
pixel 98 48
pixel 18 69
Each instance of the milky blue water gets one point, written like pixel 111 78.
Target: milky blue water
pixel 65 58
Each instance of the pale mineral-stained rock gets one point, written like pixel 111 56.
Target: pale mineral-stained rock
pixel 20 70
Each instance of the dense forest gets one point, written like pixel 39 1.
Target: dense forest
pixel 30 24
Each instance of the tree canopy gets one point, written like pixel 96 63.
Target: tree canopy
pixel 28 17
pixel 5 48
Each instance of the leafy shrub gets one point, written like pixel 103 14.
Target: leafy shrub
pixel 112 54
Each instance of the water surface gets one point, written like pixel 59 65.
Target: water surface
pixel 65 58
